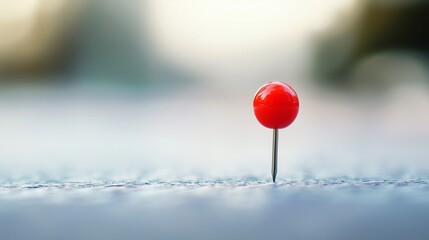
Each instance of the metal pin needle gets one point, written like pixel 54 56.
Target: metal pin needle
pixel 275 146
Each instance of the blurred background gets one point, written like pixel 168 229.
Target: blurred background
pixel 163 89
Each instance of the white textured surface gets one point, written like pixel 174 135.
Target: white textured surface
pixel 338 208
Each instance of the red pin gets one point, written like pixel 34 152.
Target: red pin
pixel 276 106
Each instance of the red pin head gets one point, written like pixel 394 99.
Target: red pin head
pixel 276 106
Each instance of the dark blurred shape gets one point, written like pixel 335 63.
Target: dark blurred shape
pixel 89 42
pixel 379 26
pixel 36 36
pixel 109 44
